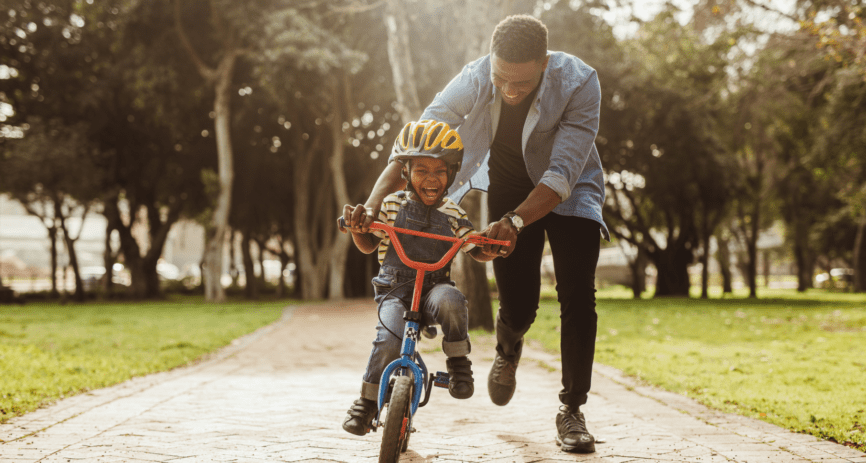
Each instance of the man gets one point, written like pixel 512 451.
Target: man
pixel 528 119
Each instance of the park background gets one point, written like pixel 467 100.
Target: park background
pixel 203 149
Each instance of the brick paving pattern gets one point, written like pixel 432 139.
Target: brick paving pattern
pixel 280 394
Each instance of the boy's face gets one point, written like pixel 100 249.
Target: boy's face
pixel 429 176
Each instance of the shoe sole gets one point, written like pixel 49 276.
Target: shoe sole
pixel 494 389
pixel 589 448
pixel 491 387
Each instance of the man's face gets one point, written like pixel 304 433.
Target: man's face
pixel 429 176
pixel 515 80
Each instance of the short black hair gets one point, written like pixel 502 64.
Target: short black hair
pixel 519 39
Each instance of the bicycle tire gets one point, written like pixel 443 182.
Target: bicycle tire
pixel 396 434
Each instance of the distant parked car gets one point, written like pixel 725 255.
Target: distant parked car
pixel 92 276
pixel 837 277
pixel 167 271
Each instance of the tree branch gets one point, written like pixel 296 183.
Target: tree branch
pixel 206 71
pixel 355 8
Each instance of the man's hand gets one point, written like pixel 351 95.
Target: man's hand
pixel 501 230
pixel 357 218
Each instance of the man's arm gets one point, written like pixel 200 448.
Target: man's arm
pixel 574 139
pixel 572 145
pixel 539 203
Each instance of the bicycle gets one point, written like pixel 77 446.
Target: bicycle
pixel 402 381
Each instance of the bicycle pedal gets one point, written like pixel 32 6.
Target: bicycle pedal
pixel 441 379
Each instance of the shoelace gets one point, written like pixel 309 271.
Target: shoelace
pixel 575 422
pixel 504 368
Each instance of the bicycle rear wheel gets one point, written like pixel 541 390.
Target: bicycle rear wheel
pixel 396 433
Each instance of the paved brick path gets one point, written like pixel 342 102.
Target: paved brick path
pixel 280 394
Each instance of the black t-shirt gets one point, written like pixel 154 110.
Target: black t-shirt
pixel 507 167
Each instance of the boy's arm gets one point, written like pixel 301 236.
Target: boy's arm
pixel 366 242
pixel 388 182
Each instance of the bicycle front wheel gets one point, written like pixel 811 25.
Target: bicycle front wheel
pixel 396 433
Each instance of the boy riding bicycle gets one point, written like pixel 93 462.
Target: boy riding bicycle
pixel 431 154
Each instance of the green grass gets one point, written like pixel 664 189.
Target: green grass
pixel 50 351
pixel 796 361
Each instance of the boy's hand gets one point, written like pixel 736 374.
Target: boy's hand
pixel 357 218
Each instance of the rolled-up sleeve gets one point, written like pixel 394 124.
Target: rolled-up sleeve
pixel 574 138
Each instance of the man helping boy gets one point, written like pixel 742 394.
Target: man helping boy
pixel 431 154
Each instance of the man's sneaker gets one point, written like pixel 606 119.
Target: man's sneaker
pixel 501 381
pixel 571 433
pixel 460 370
pixel 359 419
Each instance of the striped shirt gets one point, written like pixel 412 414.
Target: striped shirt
pixel 388 214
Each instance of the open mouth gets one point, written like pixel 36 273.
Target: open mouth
pixel 429 193
pixel 511 98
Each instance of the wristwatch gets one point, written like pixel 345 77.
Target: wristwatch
pixel 515 219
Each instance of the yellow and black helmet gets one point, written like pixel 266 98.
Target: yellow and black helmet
pixel 430 139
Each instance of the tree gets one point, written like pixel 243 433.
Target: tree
pixel 219 77
pixel 51 172
pixel 660 146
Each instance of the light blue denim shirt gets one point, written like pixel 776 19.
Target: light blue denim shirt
pixel 558 136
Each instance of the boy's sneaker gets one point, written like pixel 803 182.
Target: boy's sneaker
pixel 571 433
pixel 502 381
pixel 460 369
pixel 359 419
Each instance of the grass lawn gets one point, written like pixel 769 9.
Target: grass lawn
pixel 49 351
pixel 793 360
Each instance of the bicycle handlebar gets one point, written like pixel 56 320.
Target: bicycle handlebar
pixel 392 233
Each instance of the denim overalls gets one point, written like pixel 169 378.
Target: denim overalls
pixel 441 302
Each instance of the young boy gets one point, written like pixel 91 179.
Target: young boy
pixel 431 153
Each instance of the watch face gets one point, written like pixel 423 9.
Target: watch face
pixel 517 221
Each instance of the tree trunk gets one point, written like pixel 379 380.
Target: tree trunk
pixel 221 79
pixel 311 244
pixel 79 295
pixel 399 53
pixel 673 274
pixel 251 290
pixel 471 275
pixel 860 257
pixel 222 128
pixel 233 261
pixel 341 241
pixel 723 256
pixel 752 249
pixel 52 235
pixel 145 279
pixel 803 255
pixel 706 232
pixel 638 273
pixel 108 259
pixel 260 246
